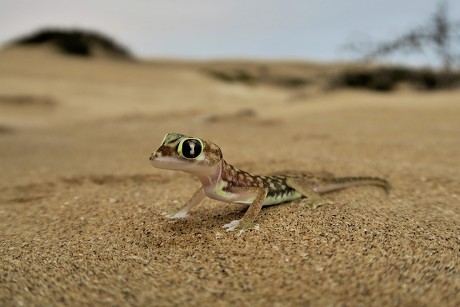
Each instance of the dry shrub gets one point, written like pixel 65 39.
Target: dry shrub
pixel 75 42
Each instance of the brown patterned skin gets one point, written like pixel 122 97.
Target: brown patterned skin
pixel 276 185
pixel 224 182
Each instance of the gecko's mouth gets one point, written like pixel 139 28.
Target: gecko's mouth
pixel 158 161
pixel 163 162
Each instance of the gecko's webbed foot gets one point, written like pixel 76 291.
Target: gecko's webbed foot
pixel 176 215
pixel 240 226
pixel 233 225
pixel 314 203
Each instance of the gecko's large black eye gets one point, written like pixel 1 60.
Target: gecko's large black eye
pixel 191 148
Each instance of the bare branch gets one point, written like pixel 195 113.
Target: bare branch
pixel 439 34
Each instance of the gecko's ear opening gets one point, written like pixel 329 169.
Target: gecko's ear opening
pixel 214 151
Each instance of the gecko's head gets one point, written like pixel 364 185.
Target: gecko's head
pixel 189 154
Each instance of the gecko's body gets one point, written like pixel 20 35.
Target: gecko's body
pixel 222 181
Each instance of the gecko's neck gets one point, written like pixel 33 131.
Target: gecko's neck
pixel 212 175
pixel 222 171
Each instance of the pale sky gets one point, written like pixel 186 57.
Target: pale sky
pixel 203 29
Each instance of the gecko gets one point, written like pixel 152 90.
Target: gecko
pixel 224 182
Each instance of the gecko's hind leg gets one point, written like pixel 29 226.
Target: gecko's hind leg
pixel 183 212
pixel 305 187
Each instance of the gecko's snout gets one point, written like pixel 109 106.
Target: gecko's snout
pixel 153 156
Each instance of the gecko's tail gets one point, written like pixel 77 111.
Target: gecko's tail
pixel 333 184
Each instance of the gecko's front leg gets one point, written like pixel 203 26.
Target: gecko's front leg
pixel 183 212
pixel 247 221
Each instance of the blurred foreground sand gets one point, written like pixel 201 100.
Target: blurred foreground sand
pixel 81 207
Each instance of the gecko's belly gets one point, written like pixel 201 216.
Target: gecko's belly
pixel 245 199
pixel 281 198
pixel 248 198
pixel 272 200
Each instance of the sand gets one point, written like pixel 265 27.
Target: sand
pixel 81 208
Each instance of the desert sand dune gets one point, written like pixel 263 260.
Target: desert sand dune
pixel 81 208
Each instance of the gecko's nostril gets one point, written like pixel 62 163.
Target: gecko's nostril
pixel 154 155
